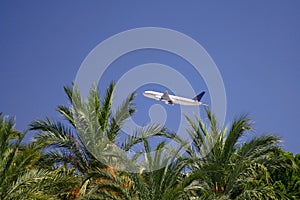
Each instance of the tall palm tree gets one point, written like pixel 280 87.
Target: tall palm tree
pixel 87 142
pixel 225 165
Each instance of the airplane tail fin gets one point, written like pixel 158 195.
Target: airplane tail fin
pixel 199 96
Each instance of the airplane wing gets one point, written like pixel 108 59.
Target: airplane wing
pixel 177 100
pixel 166 97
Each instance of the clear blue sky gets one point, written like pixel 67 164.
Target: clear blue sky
pixel 255 44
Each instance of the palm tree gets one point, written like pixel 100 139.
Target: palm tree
pixel 87 143
pixel 225 166
pixel 92 128
pixel 20 176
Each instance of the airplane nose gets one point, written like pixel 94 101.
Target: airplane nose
pixel 147 94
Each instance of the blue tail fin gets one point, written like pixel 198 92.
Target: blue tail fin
pixel 199 96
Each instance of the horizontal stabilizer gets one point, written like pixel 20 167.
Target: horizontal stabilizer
pixel 199 96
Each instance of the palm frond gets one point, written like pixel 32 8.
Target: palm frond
pixel 122 113
pixel 140 134
pixel 60 137
pixel 237 129
pixel 67 113
pixel 106 106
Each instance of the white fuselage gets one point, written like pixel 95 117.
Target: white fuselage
pixel 174 99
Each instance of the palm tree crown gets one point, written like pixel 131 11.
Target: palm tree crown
pixel 224 166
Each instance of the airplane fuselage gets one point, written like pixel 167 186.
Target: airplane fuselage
pixel 172 99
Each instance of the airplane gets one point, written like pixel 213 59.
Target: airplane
pixel 171 99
